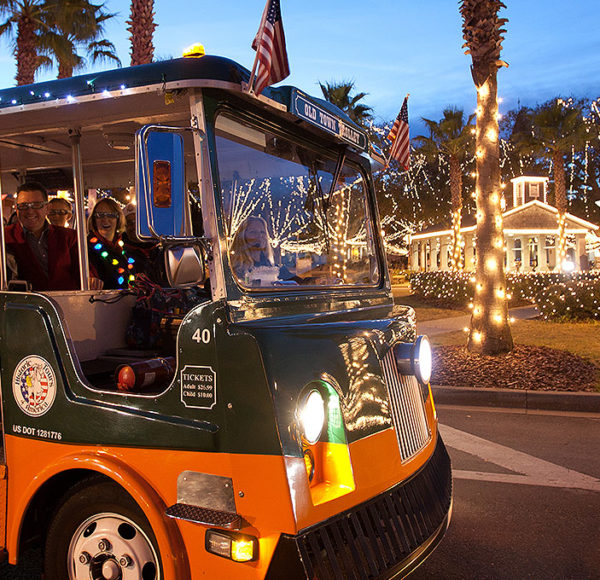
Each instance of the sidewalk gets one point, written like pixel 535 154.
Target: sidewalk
pixel 441 325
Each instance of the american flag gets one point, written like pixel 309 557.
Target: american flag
pixel 399 137
pixel 269 45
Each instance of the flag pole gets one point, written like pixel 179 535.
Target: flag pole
pixel 250 88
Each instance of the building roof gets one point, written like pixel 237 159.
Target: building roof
pixel 532 217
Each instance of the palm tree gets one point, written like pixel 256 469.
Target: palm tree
pixel 339 95
pixel 483 34
pixel 555 129
pixel 42 31
pixel 76 24
pixel 24 19
pixel 141 26
pixel 451 138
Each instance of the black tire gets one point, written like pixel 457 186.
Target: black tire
pixel 92 511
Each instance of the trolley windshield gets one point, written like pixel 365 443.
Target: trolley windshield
pixel 293 215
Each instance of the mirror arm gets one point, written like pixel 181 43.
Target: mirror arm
pixel 202 241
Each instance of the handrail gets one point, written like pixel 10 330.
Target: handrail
pixel 75 137
pixel 3 277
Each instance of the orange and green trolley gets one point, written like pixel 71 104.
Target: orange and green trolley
pixel 251 406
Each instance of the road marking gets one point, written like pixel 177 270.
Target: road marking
pixel 533 471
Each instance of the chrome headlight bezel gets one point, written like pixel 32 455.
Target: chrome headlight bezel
pixel 415 359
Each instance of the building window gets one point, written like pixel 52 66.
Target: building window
pixel 534 190
pixel 517 250
pixel 521 194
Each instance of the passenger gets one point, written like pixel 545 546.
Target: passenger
pixel 8 208
pixel 60 212
pixel 106 248
pixel 252 257
pixel 46 255
pixel 143 252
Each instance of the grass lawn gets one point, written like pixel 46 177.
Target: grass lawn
pixel 424 310
pixel 580 338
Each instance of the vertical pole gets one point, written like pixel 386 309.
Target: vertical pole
pixel 75 137
pixel 3 277
pixel 207 193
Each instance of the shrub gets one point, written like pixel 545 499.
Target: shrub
pixel 572 300
pixel 456 289
pixel 449 288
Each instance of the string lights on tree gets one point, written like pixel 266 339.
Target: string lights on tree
pixel 483 33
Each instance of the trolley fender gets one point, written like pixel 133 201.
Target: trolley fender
pixel 170 543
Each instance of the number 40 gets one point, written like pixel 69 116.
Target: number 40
pixel 201 336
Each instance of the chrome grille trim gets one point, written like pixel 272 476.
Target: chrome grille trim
pixel 407 408
pixel 378 538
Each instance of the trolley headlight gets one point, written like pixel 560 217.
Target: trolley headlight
pixel 312 416
pixel 415 359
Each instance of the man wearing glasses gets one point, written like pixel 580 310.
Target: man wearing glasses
pixel 46 255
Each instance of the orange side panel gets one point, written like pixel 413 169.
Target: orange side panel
pixel 271 492
pixel 150 476
pixel 2 507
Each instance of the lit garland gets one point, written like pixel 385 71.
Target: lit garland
pixel 123 276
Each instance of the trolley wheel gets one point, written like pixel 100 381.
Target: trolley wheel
pixel 100 533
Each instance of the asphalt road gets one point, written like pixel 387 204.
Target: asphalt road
pixel 526 496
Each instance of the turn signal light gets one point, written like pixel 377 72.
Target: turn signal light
pixel 233 545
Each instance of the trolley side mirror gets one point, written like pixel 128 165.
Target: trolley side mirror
pixel 184 266
pixel 161 210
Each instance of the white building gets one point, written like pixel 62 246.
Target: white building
pixel 530 233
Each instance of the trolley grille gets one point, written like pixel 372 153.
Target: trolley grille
pixel 374 538
pixel 408 409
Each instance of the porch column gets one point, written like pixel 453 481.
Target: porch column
pixel 542 254
pixel 580 251
pixel 510 253
pixel 444 250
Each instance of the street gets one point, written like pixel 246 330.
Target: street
pixel 526 496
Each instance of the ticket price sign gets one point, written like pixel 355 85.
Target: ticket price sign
pixel 198 387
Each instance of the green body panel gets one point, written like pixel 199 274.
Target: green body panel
pixel 305 349
pixel 30 325
pixel 261 368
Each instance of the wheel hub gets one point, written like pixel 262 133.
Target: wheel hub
pixel 109 546
pixel 111 570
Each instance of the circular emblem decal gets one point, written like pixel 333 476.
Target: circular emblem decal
pixel 34 386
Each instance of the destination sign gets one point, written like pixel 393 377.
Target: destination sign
pixel 319 116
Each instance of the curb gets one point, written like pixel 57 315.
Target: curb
pixel 517 399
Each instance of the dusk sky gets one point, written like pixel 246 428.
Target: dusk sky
pixel 387 47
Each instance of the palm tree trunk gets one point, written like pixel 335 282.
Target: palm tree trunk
pixel 560 191
pixel 25 52
pixel 65 71
pixel 456 191
pixel 490 331
pixel 141 26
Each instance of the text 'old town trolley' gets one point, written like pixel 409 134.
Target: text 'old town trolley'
pixel 240 402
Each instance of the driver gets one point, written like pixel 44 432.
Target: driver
pixel 252 258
